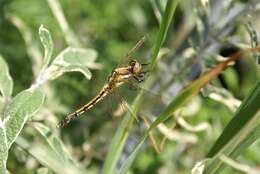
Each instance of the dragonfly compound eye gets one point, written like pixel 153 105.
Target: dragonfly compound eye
pixel 136 67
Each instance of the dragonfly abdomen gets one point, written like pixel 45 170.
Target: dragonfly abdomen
pixel 104 91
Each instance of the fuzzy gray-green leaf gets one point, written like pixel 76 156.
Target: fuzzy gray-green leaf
pixel 74 59
pixel 60 154
pixel 6 82
pixel 47 157
pixel 47 43
pixel 54 142
pixel 23 106
pixel 3 149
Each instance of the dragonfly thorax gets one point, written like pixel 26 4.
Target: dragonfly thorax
pixel 121 74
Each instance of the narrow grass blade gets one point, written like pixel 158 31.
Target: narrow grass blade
pixel 117 144
pixel 32 46
pixel 6 82
pixel 191 90
pixel 167 18
pixel 249 107
pixel 69 35
pixel 125 168
pixel 166 21
pixel 238 133
pixel 121 135
pixel 186 94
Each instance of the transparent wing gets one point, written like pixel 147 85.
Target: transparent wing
pixel 121 106
pixel 128 57
pixel 136 47
pixel 151 101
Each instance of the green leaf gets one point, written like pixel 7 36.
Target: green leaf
pixel 47 43
pixel 240 132
pixel 53 142
pixel 3 148
pixel 74 59
pixel 6 82
pixel 23 106
pixel 51 153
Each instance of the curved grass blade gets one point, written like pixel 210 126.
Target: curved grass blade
pixel 195 87
pixel 69 34
pixel 121 135
pixel 186 94
pixel 239 133
pixel 164 26
pixel 249 107
pixel 32 46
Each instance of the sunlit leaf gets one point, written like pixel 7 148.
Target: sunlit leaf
pixel 74 59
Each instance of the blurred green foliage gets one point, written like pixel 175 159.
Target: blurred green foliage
pixel 111 28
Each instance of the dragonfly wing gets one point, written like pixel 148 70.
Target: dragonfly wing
pixel 128 56
pixel 136 47
pixel 152 99
pixel 121 104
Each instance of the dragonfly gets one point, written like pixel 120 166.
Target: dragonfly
pixel 119 76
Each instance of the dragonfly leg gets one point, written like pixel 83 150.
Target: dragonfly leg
pixel 138 79
pixel 144 72
pixel 141 75
pixel 145 64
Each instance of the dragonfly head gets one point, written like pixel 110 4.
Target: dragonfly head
pixel 136 66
